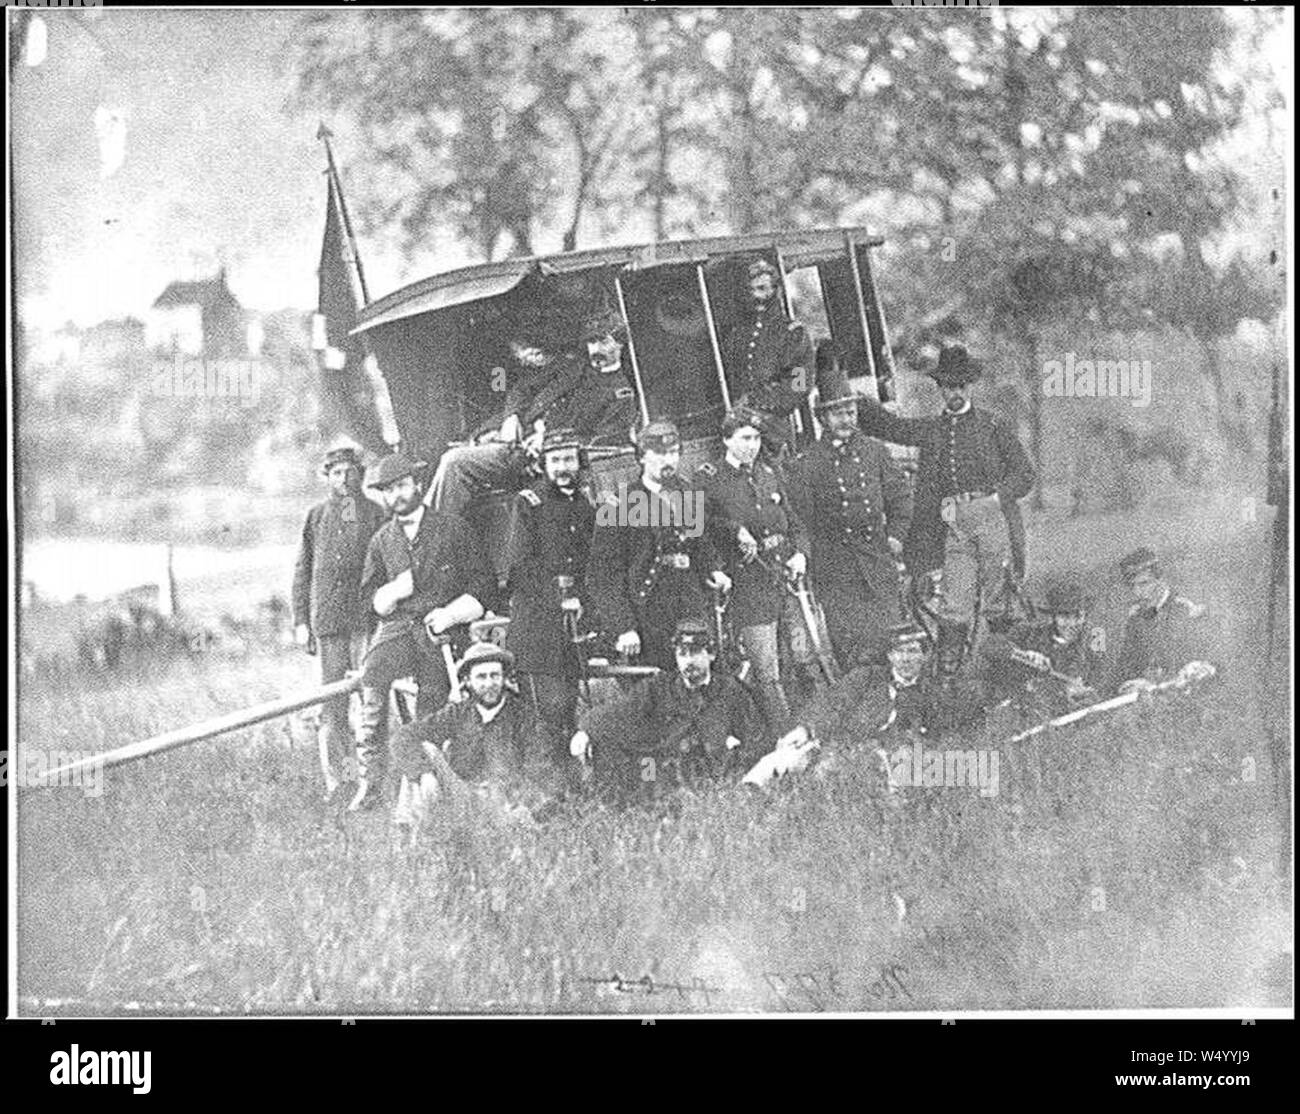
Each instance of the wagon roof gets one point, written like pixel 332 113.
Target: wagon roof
pixel 487 280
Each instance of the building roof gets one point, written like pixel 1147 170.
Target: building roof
pixel 208 293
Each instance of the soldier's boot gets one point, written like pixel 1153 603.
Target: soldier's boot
pixel 372 749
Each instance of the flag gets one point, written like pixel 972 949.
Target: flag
pixel 336 312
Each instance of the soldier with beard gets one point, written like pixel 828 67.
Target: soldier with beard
pixel 546 561
pixel 769 358
pixel 652 559
pixel 587 391
pixel 426 574
pixel 692 725
pixel 330 617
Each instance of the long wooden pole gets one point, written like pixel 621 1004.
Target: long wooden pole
pixel 713 336
pixel 631 352
pixel 208 729
pixel 323 133
pixel 862 306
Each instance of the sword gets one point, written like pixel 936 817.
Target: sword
pixel 569 605
pixel 808 610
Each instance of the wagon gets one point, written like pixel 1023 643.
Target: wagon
pixel 442 343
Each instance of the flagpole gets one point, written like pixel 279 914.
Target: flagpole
pixel 323 133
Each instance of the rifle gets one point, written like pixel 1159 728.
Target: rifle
pixel 1185 679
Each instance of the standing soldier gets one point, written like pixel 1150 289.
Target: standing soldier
pixel 330 619
pixel 857 505
pixel 546 563
pixel 427 576
pixel 769 358
pixel 651 557
pixel 1164 631
pixel 971 474
pixel 755 528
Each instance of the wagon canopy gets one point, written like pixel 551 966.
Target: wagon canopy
pixel 443 343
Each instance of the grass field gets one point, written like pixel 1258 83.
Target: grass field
pixel 1129 863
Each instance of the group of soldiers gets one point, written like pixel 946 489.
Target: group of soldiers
pixel 690 575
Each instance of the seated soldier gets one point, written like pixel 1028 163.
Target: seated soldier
pixel 474 757
pixel 1049 663
pixel 693 726
pixel 589 393
pixel 1165 634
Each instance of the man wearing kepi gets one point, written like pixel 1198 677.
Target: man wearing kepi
pixel 692 725
pixel 329 615
pixel 1165 633
pixel 475 756
pixel 652 561
pixel 856 505
pixel 972 472
pixel 546 561
pixel 755 528
pixel 769 357
pixel 588 391
pixel 426 575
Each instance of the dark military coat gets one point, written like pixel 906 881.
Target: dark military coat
pixel 1004 677
pixel 550 536
pixel 761 357
pixel 501 751
pixel 867 703
pixel 661 735
pixel 756 499
pixel 852 498
pixel 446 559
pixel 974 451
pixel 331 555
pixel 1159 641
pixel 645 575
pixel 571 394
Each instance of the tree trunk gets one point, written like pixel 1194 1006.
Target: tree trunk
pixel 1035 391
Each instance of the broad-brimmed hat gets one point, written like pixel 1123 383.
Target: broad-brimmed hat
pixel 658 437
pixel 693 632
pixel 831 380
pixel 1138 561
pixel 1063 596
pixel 480 652
pixel 956 367
pixel 341 454
pixel 393 468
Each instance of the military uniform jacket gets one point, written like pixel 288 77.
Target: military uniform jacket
pixel 446 560
pixel 646 577
pixel 756 499
pixel 571 394
pixel 969 452
pixel 852 497
pixel 331 555
pixel 761 357
pixel 868 703
pixel 1075 659
pixel 683 733
pixel 1159 641
pixel 550 536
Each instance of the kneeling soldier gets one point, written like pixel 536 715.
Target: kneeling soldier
pixel 476 752
pixel 690 727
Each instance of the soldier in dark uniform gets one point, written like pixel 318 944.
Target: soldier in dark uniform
pixel 1020 663
pixel 652 560
pixel 330 618
pixel 426 573
pixel 769 358
pixel 692 725
pixel 971 474
pixel 546 562
pixel 1164 632
pixel 480 750
pixel 588 392
pixel 754 526
pixel 857 505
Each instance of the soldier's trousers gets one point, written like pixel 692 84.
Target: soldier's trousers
pixel 858 618
pixel 976 547
pixel 467 471
pixel 759 642
pixel 384 664
pixel 338 653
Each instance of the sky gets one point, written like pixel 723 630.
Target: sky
pixel 153 145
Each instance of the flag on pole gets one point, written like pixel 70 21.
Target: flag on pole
pixel 337 303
